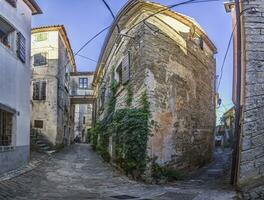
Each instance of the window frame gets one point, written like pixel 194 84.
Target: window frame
pixel 41 39
pixel 4 115
pixel 13 3
pixel 7 35
pixel 40 96
pixel 83 84
pixel 44 55
pixel 41 122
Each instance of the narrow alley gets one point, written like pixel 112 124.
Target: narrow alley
pixel 79 173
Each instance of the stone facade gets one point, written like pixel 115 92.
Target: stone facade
pixel 172 60
pixel 52 62
pixel 252 144
pixel 81 86
pixel 15 27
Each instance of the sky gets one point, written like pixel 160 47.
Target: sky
pixel 85 18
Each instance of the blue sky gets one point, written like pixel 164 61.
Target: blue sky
pixel 84 18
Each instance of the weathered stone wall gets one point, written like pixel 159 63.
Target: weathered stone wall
pixel 55 110
pixel 178 76
pixel 252 144
pixel 137 75
pixel 180 80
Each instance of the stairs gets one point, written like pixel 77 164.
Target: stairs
pixel 39 143
pixel 218 170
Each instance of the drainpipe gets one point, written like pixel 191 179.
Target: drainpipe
pixel 236 152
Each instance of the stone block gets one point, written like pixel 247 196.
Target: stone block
pixel 251 154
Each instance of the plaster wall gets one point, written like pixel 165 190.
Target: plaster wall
pixel 15 85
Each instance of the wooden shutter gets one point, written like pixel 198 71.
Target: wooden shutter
pixel 43 90
pixel 36 90
pixel 21 47
pixel 126 69
pixel 12 2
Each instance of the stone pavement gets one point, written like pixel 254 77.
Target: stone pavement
pixel 79 173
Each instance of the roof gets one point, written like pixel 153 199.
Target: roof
pixel 33 6
pixel 186 20
pixel 65 38
pixel 81 73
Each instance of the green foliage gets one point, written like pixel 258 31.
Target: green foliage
pixel 165 173
pixel 129 129
pixel 131 136
pixel 144 102
pixel 129 96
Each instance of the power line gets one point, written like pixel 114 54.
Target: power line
pixel 164 9
pixel 226 53
pixel 85 57
pixel 250 9
pixel 110 10
pixel 90 40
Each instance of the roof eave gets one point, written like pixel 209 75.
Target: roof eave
pixel 34 7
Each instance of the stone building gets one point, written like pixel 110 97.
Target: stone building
pixel 81 86
pixel 170 57
pixel 52 63
pixel 15 27
pixel 250 151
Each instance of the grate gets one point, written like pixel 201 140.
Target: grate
pixel 124 197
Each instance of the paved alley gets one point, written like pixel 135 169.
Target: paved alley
pixel 79 173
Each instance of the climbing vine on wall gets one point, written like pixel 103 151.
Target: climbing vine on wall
pixel 129 129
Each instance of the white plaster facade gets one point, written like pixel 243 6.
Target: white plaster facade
pixel 55 111
pixel 15 83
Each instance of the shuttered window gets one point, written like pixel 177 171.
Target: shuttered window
pixel 5 128
pixel 38 123
pixel 41 37
pixel 12 2
pixel 40 59
pixel 21 47
pixel 39 90
pixel 126 69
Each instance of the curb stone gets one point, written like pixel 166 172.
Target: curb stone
pixel 22 170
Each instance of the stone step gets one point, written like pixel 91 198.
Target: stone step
pixel 42 145
pixel 215 173
pixel 46 148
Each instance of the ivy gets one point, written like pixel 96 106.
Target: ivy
pixel 129 129
pixel 129 96
pixel 131 136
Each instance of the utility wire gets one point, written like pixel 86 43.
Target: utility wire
pixel 95 36
pixel 161 10
pixel 253 9
pixel 226 53
pixel 164 9
pixel 110 10
pixel 85 57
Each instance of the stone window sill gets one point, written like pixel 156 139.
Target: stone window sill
pixel 6 148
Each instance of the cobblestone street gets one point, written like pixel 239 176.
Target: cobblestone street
pixel 78 173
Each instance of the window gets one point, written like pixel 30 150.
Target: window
pixel 41 37
pixel 102 98
pixel 38 123
pixel 40 59
pixel 39 90
pixel 123 70
pixel 6 120
pixel 83 119
pixel 83 83
pixel 119 73
pixel 5 32
pixel 201 43
pixel 21 47
pixel 12 2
